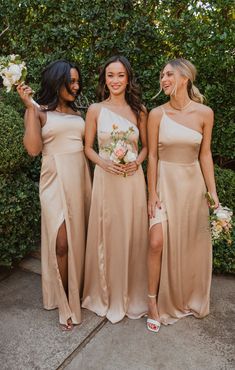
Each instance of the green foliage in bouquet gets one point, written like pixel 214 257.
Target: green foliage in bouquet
pixel 19 217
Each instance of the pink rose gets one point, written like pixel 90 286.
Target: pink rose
pixel 120 152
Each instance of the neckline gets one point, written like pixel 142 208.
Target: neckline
pixel 67 114
pixel 119 115
pixel 180 109
pixel 180 124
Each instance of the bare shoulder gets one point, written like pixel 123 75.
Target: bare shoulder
pixel 78 113
pixel 94 109
pixel 41 114
pixel 204 110
pixel 156 113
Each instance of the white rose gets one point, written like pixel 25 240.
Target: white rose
pixel 15 71
pixel 7 83
pixel 129 157
pixel 222 214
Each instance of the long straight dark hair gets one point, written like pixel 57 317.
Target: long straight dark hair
pixel 132 93
pixel 55 76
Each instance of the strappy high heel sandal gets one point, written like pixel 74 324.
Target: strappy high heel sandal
pixel 68 326
pixel 153 325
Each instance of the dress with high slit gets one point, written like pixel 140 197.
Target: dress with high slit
pixel 65 190
pixel 187 251
pixel 116 263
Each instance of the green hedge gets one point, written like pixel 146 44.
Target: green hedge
pixel 19 203
pixel 225 183
pixel 19 217
pixel 223 253
pixel 12 153
pixel 149 33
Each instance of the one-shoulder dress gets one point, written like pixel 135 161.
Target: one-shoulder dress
pixel 116 263
pixel 65 190
pixel 187 251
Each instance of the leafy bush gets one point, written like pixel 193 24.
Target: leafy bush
pixel 148 32
pixel 225 183
pixel 19 217
pixel 12 153
pixel 223 253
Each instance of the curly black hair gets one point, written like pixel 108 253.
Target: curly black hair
pixel 55 76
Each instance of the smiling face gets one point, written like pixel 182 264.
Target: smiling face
pixel 116 78
pixel 73 85
pixel 172 80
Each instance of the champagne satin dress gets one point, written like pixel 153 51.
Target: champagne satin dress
pixel 65 190
pixel 116 266
pixel 187 252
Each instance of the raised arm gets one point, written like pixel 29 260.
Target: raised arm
pixel 152 130
pixel 205 156
pixel 32 120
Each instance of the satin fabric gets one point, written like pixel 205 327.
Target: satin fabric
pixel 65 190
pixel 115 267
pixel 187 251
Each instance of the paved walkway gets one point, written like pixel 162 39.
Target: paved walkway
pixel 30 338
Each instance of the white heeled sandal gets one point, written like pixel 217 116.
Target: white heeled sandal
pixel 153 325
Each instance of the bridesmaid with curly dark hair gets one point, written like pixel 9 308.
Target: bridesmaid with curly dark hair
pixel 55 128
pixel 115 267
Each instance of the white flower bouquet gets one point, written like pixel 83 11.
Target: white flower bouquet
pixel 120 149
pixel 12 70
pixel 220 222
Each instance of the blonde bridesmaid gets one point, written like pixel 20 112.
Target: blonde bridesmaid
pixel 180 171
pixel 115 268
pixel 56 129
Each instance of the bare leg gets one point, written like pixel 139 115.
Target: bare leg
pixel 154 268
pixel 62 260
pixel 62 255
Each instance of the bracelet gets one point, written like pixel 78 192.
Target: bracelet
pixel 137 164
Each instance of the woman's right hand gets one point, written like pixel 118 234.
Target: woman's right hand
pixel 25 92
pixel 112 167
pixel 153 202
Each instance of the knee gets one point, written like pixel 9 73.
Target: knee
pixel 61 248
pixel 155 246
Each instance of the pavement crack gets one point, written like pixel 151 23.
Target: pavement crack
pixel 83 344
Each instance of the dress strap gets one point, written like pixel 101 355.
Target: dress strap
pixel 163 110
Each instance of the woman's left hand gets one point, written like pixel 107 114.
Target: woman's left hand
pixel 130 168
pixel 216 200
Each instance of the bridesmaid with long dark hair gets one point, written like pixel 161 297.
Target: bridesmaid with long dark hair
pixel 115 268
pixel 56 129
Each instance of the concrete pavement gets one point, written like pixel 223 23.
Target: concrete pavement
pixel 30 337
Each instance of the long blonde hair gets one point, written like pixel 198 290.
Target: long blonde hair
pixel 188 70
